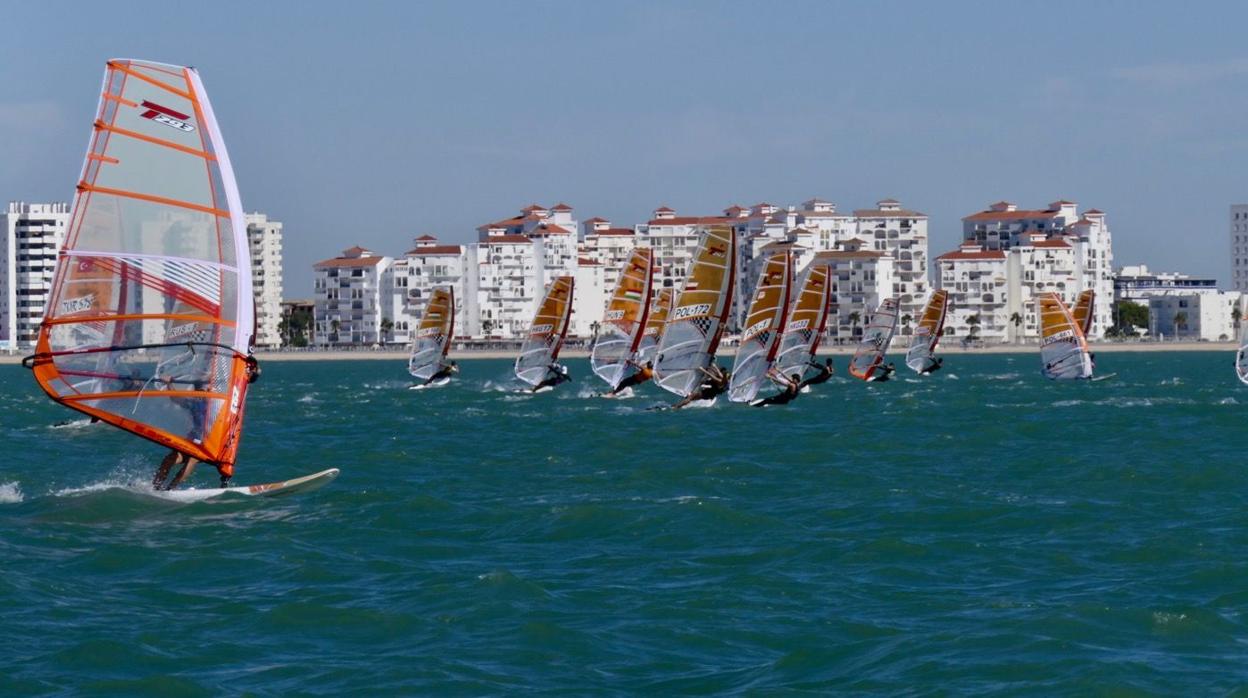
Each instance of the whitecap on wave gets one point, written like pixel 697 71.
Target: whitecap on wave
pixel 10 493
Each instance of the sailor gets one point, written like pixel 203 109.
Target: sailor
pixel 643 374
pixel 792 388
pixel 885 372
pixel 825 371
pixel 253 368
pixel 935 366
pixel 446 371
pixel 716 383
pixel 555 374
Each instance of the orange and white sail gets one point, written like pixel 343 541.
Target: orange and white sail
pixel 1082 311
pixel 660 307
pixel 697 320
pixel 151 316
pixel 625 320
pixel 432 342
pixel 546 334
pixel 1063 347
pixel 760 342
pixel 807 321
pixel 922 353
pixel 876 337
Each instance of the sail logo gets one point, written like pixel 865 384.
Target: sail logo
pixel 235 400
pixel 541 329
pixel 429 332
pixel 166 116
pixel 180 330
pixel 756 328
pixel 614 315
pixel 688 311
pixel 797 325
pixel 77 305
pixel 1062 336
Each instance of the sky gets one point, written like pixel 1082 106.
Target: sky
pixel 371 123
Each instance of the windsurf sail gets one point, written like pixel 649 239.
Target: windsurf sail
pixel 648 348
pixel 1241 356
pixel 1082 311
pixel 806 324
pixel 151 316
pixel 625 319
pixel 922 353
pixel 546 334
pixel 760 342
pixel 1063 347
pixel 696 322
pixel 433 336
pixel 876 337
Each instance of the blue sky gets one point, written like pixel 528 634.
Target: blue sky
pixel 372 123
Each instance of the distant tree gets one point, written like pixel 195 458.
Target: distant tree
pixel 594 327
pixel 487 326
pixel 387 328
pixel 1130 316
pixel 333 331
pixel 1236 316
pixel 973 321
pixel 905 324
pixel 1016 319
pixel 854 318
pixel 1180 322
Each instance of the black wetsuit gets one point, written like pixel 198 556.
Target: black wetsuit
pixel 552 382
pixel 822 376
pixel 936 366
pixel 884 374
pixel 781 398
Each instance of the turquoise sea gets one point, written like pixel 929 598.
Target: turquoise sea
pixel 980 531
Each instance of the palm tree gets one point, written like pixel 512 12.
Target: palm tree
pixel 1236 316
pixel 854 317
pixel 333 331
pixel 973 321
pixel 1180 322
pixel 387 326
pixel 594 327
pixel 487 326
pixel 1016 319
pixel 905 324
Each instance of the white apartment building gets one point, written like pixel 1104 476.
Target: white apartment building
pixel 1136 283
pixel 1003 226
pixel 265 237
pixel 901 234
pixel 429 265
pixel 509 285
pixel 33 235
pixel 1239 247
pixel 554 232
pixel 350 298
pixel 861 278
pixel 674 240
pixel 589 297
pixel 976 280
pixel 1193 315
pixel 610 247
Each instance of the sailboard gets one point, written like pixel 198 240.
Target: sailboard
pixel 547 332
pixel 660 307
pixel 1063 347
pixel 876 337
pixel 921 356
pixel 150 319
pixel 625 320
pixel 297 485
pixel 1082 312
pixel 807 321
pixel 697 319
pixel 764 324
pixel 433 336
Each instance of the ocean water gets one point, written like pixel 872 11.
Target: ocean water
pixel 979 531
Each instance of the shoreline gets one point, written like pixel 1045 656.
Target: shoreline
pixel 578 353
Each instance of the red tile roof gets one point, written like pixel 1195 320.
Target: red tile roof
pixel 507 239
pixel 692 220
pixel 1054 242
pixel 531 208
pixel 596 219
pixel 550 229
pixel 348 262
pixel 1020 214
pixel 1094 212
pixel 614 231
pixel 847 254
pixel 664 209
pixel 582 261
pixel 435 250
pixel 425 238
pixel 977 254
pixel 561 207
pixel 890 213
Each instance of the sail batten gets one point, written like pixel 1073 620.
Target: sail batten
pixel 660 307
pixel 921 356
pixel 699 313
pixel 1082 312
pixel 764 325
pixel 151 318
pixel 625 320
pixel 876 338
pixel 546 333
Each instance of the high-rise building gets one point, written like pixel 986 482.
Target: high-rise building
pixel 349 302
pixel 265 236
pixel 33 234
pixel 1239 247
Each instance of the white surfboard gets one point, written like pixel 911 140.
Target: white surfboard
pixel 1105 377
pixel 307 483
pixel 432 384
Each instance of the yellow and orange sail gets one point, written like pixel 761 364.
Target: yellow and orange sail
pixel 546 334
pixel 660 307
pixel 625 319
pixel 433 337
pixel 150 321
pixel 921 356
pixel 807 321
pixel 764 324
pixel 1082 311
pixel 1063 346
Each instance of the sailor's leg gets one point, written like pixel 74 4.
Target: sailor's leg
pixel 162 471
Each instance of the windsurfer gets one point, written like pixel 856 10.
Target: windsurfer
pixel 716 383
pixel 555 374
pixel 641 375
pixel 792 388
pixel 446 371
pixel 885 372
pixel 935 366
pixel 825 371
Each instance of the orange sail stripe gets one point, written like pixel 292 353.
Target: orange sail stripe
pixel 103 158
pixel 119 99
pixel 152 139
pixel 83 186
pixel 149 79
pixel 138 316
pixel 144 394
